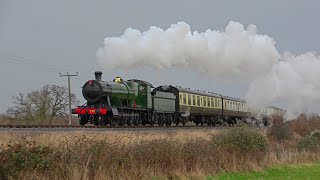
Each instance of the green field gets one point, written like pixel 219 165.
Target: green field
pixel 306 171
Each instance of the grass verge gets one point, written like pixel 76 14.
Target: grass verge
pixel 303 171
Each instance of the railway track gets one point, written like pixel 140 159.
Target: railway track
pixel 105 127
pixel 99 128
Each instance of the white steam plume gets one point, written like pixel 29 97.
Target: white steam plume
pixel 294 80
pixel 234 52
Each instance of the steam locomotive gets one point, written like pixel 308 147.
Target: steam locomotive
pixel 137 102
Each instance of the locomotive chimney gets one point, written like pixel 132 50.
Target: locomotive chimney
pixel 98 75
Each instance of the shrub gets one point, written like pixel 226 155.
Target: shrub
pixel 23 156
pixel 308 143
pixel 316 134
pixel 241 139
pixel 304 125
pixel 280 132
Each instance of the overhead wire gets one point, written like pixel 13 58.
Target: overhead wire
pixel 28 61
pixel 6 57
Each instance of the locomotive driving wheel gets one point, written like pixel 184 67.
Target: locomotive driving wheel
pixel 96 121
pixel 103 121
pixel 130 120
pixel 83 120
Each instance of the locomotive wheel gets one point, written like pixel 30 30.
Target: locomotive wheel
pixel 177 123
pixel 197 123
pixel 139 121
pixel 96 121
pixel 114 122
pixel 130 121
pixel 143 123
pixel 122 122
pixel 103 121
pixel 160 121
pixel 82 121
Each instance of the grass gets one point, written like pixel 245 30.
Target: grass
pixel 304 171
pixel 120 137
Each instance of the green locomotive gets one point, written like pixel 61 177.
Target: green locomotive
pixel 120 102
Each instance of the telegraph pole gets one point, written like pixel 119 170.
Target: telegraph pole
pixel 69 87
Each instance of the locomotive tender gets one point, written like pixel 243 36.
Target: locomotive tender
pixel 132 102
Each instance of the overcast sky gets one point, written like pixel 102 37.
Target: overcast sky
pixel 40 38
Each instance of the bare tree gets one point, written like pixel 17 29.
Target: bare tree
pixel 41 105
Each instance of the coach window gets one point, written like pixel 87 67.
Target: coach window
pixel 189 99
pixel 198 100
pixel 184 99
pixel 180 96
pixel 193 100
pixel 204 101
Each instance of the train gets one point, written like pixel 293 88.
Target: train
pixel 136 102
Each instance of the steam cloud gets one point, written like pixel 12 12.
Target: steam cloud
pixel 234 53
pixel 294 80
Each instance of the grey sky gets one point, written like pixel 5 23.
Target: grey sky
pixel 65 35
